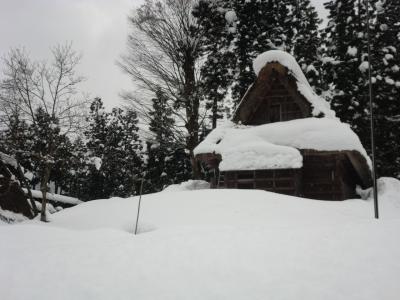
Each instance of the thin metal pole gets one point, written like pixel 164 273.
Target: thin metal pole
pixel 375 191
pixel 138 210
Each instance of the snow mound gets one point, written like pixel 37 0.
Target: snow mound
pixel 389 187
pixel 209 244
pixel 319 105
pixel 274 145
pixel 388 190
pixel 189 185
pixel 9 217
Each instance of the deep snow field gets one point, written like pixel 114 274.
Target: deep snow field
pixel 208 244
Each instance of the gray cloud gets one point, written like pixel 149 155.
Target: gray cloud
pixel 97 28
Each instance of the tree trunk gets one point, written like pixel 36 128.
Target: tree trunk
pixel 214 112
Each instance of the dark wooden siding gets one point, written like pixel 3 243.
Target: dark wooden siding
pixel 277 105
pixel 273 97
pixel 285 181
pixel 325 175
pixel 320 177
pixel 328 175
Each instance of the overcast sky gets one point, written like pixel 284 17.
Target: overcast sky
pixel 97 28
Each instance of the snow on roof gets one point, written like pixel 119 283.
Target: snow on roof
pixel 275 145
pixel 318 104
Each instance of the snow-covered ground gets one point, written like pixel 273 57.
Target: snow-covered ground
pixel 208 244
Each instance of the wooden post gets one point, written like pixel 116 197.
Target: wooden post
pixel 138 211
pixel 371 108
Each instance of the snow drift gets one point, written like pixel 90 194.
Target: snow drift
pixel 208 244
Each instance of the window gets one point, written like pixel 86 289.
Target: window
pixel 275 113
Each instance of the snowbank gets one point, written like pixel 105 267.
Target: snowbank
pixel 319 105
pixel 189 185
pixel 207 244
pixel 388 189
pixel 9 217
pixel 274 145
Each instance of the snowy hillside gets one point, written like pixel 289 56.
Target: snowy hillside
pixel 208 244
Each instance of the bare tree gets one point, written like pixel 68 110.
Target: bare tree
pixel 164 54
pixel 27 86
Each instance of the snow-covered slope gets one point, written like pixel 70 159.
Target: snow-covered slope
pixel 208 244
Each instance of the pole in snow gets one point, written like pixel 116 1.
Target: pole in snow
pixel 375 191
pixel 138 210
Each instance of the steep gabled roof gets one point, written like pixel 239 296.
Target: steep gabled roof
pixel 279 65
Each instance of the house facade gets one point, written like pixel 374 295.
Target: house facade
pixel 284 138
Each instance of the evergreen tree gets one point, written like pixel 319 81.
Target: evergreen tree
pixel 167 162
pixel 63 162
pixel 347 70
pixel 96 136
pixel 386 78
pixel 16 140
pixel 125 154
pixel 78 179
pixel 346 58
pixel 306 42
pixel 217 20
pixel 114 152
pixel 270 24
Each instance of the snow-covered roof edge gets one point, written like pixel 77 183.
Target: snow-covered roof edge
pixel 318 104
pixel 320 134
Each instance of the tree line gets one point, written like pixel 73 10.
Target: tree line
pixel 70 145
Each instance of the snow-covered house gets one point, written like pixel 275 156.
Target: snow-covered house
pixel 285 138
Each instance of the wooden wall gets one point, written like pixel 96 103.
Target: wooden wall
pixel 273 97
pixel 326 175
pixel 277 105
pixel 285 181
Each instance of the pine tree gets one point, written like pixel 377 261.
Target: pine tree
pixel 347 49
pixel 96 136
pixel 386 78
pixel 63 161
pixel 288 25
pixel 256 23
pixel 78 179
pixel 346 58
pixel 167 162
pixel 129 164
pixel 217 20
pixel 17 140
pixel 306 42
pixel 114 152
